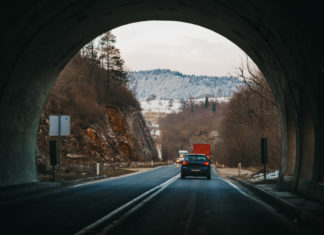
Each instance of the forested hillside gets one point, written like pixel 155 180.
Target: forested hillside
pixel 164 84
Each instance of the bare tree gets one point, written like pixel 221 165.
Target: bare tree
pixel 254 79
pixel 250 115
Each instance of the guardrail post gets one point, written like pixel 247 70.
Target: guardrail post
pixel 98 168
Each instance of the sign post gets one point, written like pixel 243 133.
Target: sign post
pixel 59 126
pixel 53 156
pixel 264 155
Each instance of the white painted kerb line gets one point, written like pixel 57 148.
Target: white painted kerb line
pixel 233 185
pixel 114 178
pixel 104 219
pixel 244 193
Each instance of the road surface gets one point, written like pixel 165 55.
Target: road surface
pixel 189 206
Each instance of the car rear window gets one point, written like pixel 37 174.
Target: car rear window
pixel 196 158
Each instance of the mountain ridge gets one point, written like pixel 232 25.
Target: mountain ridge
pixel 168 84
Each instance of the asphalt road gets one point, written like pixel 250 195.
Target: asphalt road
pixel 189 206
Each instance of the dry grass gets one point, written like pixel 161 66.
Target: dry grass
pixel 83 175
pixel 75 174
pixel 225 172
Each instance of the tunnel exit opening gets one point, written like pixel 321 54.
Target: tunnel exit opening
pixel 46 47
pixel 243 143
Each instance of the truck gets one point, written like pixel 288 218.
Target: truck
pixel 182 154
pixel 202 149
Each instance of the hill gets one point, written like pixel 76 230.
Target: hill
pixel 107 125
pixel 164 84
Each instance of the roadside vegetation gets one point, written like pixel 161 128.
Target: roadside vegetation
pixel 195 122
pixel 233 129
pixel 112 170
pixel 250 115
pixel 94 79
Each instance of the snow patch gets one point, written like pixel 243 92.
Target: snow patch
pixel 174 106
pixel 270 175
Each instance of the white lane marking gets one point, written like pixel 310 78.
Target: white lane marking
pixel 244 193
pixel 214 169
pixel 114 178
pixel 236 187
pixel 160 187
pixel 233 185
pixel 267 206
pixel 139 205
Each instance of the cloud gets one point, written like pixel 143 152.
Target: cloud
pixel 188 48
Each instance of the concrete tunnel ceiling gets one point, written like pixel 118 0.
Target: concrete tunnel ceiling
pixel 282 37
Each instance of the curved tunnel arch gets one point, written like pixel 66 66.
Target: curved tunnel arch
pixel 274 35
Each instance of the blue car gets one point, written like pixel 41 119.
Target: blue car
pixel 195 165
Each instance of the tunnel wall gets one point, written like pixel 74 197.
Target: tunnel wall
pixel 284 38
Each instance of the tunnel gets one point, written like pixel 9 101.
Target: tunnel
pixel 284 39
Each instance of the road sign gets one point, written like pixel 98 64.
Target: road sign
pixel 59 125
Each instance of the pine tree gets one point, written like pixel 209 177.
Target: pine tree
pixel 206 102
pixel 183 104
pixel 110 58
pixel 90 51
pixel 214 107
pixel 170 103
pixel 191 101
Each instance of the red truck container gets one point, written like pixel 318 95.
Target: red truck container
pixel 202 149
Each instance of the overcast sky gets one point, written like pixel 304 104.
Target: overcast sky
pixel 183 47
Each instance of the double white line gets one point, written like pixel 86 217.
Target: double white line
pixel 130 206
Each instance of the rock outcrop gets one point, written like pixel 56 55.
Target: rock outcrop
pixel 122 136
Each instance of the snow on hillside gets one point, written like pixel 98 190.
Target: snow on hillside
pixel 164 84
pixel 170 106
pixel 160 106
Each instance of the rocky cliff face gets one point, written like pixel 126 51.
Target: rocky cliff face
pixel 122 136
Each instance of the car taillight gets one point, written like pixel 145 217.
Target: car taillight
pixel 185 163
pixel 206 163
